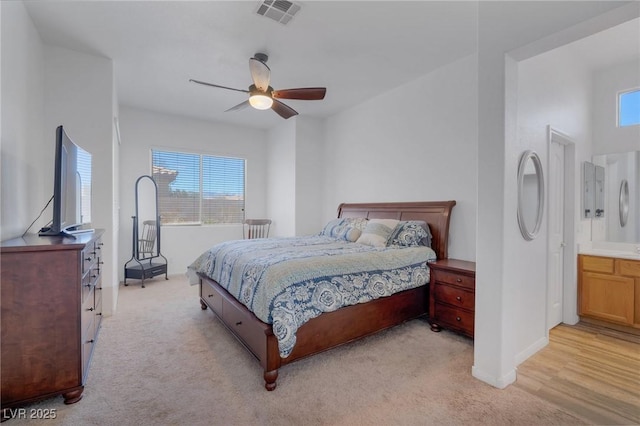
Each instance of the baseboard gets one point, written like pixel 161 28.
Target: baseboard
pixel 496 382
pixel 524 355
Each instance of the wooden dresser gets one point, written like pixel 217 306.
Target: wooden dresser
pixel 452 298
pixel 51 309
pixel 609 290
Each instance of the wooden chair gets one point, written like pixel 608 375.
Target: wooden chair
pixel 256 228
pixel 147 239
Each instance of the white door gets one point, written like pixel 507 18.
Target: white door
pixel 555 269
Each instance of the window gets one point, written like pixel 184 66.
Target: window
pixel 198 189
pixel 629 108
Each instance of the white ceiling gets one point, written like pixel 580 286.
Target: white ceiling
pixel 357 49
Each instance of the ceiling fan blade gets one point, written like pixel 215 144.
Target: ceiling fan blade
pixel 260 73
pixel 306 94
pixel 241 105
pixel 283 110
pixel 217 85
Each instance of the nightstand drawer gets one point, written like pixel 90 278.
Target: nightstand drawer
pixel 454 296
pixel 456 319
pixel 455 279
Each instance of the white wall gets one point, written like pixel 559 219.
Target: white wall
pixel 607 136
pixel 295 177
pixel 309 175
pixel 281 179
pixel 26 150
pixel 553 89
pixel 415 143
pixel 143 130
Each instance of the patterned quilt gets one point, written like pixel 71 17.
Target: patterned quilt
pixel 288 281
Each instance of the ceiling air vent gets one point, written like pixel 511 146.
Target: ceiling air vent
pixel 279 10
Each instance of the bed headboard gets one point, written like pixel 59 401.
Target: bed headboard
pixel 436 213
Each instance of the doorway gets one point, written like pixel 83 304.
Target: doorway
pixel 562 291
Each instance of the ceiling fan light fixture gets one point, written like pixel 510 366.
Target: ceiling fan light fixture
pixel 260 101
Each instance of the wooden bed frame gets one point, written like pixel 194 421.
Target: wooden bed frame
pixel 348 323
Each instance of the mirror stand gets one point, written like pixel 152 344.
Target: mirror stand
pixel 146 259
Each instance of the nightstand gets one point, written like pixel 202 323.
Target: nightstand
pixel 452 294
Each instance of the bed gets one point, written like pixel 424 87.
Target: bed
pixel 327 329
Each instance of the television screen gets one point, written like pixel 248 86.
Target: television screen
pixel 71 188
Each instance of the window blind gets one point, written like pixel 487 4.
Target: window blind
pixel 199 189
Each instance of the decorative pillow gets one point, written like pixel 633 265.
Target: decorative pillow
pixel 331 227
pixel 357 222
pixel 348 229
pixel 410 233
pixel 377 232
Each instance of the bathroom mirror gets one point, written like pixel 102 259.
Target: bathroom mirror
pixel 623 202
pixel 618 168
pixel 599 191
pixel 530 195
pixel 588 189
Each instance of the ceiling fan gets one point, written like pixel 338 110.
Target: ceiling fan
pixel 263 96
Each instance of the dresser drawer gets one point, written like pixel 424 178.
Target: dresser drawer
pixel 454 296
pixel 89 281
pixel 455 318
pixel 88 343
pixel 89 258
pixel 87 314
pixel 97 294
pixel 455 279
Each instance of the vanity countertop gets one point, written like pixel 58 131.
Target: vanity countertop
pixel 619 250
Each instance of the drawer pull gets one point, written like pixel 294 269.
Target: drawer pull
pixel 459 299
pixel 239 323
pixel 89 259
pixel 458 280
pixel 90 309
pixel 211 295
pixel 90 341
pixel 458 319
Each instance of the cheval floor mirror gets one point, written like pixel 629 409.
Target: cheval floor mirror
pixel 146 259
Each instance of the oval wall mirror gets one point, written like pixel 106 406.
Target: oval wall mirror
pixel 530 195
pixel 624 202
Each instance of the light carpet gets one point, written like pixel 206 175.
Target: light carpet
pixel 161 360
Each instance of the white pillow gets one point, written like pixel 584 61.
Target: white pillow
pixel 377 232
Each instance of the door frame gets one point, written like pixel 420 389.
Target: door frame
pixel 569 258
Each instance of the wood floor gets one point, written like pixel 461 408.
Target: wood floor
pixel 589 370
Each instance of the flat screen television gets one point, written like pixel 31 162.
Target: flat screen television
pixel 71 188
